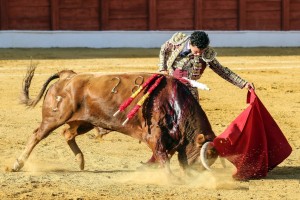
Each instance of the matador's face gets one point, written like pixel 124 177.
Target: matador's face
pixel 195 50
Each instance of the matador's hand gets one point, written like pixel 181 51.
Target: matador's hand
pixel 249 86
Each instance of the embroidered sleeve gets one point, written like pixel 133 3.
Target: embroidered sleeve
pixel 165 50
pixel 227 74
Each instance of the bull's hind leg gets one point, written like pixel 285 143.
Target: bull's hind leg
pixel 76 128
pixel 40 133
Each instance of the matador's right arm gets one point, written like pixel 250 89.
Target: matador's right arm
pixel 209 56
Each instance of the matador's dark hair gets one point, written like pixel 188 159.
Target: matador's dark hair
pixel 199 39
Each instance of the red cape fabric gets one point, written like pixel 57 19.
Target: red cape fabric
pixel 253 142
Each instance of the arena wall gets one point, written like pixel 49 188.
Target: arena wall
pixel 141 39
pixel 142 15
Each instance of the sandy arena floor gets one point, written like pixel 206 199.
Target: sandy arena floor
pixel 110 173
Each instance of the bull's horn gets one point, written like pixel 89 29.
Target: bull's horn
pixel 203 155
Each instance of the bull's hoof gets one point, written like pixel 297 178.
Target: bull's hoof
pixel 148 165
pixel 80 160
pixel 17 166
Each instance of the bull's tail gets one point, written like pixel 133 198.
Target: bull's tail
pixel 24 98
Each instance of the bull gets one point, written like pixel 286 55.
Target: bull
pixel 170 120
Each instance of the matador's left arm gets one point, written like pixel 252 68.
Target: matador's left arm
pixel 209 56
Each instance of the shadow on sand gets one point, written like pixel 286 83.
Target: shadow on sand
pixel 285 173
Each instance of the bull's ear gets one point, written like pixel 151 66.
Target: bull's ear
pixel 200 139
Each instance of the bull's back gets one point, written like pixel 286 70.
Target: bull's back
pixel 102 94
pixel 114 87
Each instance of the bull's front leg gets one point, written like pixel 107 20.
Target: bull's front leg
pixel 155 142
pixel 160 154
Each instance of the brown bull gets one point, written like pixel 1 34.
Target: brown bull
pixel 170 120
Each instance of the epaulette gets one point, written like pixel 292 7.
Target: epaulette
pixel 209 54
pixel 178 38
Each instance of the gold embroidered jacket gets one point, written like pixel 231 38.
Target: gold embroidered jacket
pixel 170 59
